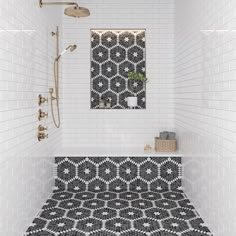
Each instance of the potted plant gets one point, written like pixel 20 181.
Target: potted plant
pixel 133 77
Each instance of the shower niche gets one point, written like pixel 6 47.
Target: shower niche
pixel 115 53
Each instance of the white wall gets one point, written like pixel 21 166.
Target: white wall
pixel 205 107
pixel 83 127
pixel 25 71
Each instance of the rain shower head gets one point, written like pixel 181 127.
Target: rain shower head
pixel 70 47
pixel 75 10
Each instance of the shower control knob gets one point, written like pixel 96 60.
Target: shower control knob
pixel 42 99
pixel 42 114
pixel 42 136
pixel 41 128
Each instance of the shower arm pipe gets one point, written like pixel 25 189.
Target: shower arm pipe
pixel 41 3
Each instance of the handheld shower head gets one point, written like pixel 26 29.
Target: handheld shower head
pixel 70 47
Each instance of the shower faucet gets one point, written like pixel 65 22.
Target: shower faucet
pixel 42 99
pixel 42 114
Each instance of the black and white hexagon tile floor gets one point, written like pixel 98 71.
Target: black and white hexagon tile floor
pixel 125 196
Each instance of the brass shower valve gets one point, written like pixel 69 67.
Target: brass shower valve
pixel 42 115
pixel 42 136
pixel 42 99
pixel 41 128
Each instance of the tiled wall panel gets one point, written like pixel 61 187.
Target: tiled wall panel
pixel 26 166
pixel 83 127
pixel 205 108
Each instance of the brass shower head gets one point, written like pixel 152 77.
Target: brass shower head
pixel 70 47
pixel 75 10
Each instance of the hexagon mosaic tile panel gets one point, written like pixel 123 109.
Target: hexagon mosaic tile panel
pixel 115 53
pixel 118 174
pixel 118 196
pixel 122 214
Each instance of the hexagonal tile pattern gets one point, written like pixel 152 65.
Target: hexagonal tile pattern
pixel 125 173
pixel 118 54
pixel 78 213
pixel 146 225
pixel 118 84
pixel 175 225
pixel 70 204
pixel 128 170
pixel 118 204
pixel 126 67
pixel 181 213
pixel 60 225
pixel 113 55
pixel 157 213
pixel 135 54
pixel 95 39
pixel 141 204
pixel 133 233
pixel 97 185
pixel 107 196
pixel 109 39
pixel 84 195
pixel 89 225
pixel 52 213
pixel 62 196
pixel 117 185
pixel 100 84
pixel 118 225
pixel 95 204
pixel 102 233
pixel 100 54
pixel 65 170
pixel 169 171
pixel 76 185
pixel 139 186
pixel 126 39
pixel 95 69
pixel 151 196
pixel 107 171
pixel 131 213
pixel 149 171
pixel 163 233
pixel 105 213
pixel 86 171
pixel 129 196
pixel 173 196
pixel 109 69
pixel 166 204
pixel 145 211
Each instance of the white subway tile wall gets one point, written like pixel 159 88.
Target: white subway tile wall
pixel 205 107
pixel 83 127
pixel 26 56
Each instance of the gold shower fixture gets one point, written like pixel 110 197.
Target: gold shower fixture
pixel 42 135
pixel 75 10
pixel 42 99
pixel 54 92
pixel 42 115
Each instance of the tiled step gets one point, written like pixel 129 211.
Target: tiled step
pixel 118 174
pixel 124 196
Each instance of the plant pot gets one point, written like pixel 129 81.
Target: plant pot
pixel 132 102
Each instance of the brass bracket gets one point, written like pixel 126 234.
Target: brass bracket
pixel 41 3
